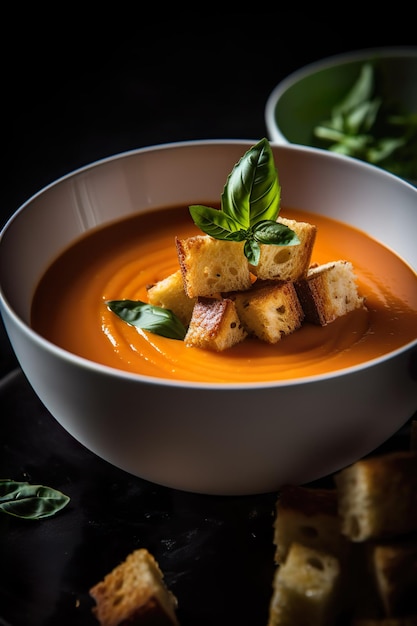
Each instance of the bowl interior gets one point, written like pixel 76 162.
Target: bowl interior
pixel 306 97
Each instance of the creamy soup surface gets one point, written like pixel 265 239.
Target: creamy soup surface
pixel 121 260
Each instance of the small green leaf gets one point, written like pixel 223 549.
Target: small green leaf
pixel 368 126
pixel 21 499
pixel 360 92
pixel 215 223
pixel 152 318
pixel 328 133
pixel 252 191
pixel 251 197
pixel 384 149
pixel 275 233
pixel 362 118
pixel 252 251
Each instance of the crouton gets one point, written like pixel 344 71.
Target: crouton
pixel 269 310
pixel 214 325
pixel 377 496
pixel 328 292
pixel 134 592
pixel 169 293
pixel 289 263
pixel 308 516
pixel 306 589
pixel 211 266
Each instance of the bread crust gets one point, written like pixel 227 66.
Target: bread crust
pixel 306 589
pixel 328 292
pixel 269 310
pixel 214 325
pixel 308 516
pixel 373 508
pixel 377 496
pixel 394 566
pixel 134 593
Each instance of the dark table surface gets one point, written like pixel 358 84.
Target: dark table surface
pixel 75 91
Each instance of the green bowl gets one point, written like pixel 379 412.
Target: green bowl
pixel 306 97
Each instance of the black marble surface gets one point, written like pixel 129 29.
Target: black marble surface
pixel 76 90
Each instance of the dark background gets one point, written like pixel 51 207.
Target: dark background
pixel 75 90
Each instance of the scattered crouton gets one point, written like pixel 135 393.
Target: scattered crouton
pixel 378 497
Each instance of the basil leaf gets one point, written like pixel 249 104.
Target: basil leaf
pixel 215 223
pixel 329 133
pixel 275 233
pixel 362 118
pixel 349 145
pixel 252 251
pixel 251 196
pixel 252 192
pixel 155 319
pixel 360 92
pixel 368 127
pixel 21 499
pixel 384 149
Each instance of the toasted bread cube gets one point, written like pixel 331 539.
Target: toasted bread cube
pixel 169 293
pixel 269 310
pixel 328 292
pixel 306 588
pixel 214 325
pixel 134 591
pixel 211 266
pixel 394 566
pixel 308 516
pixel 377 496
pixel 288 263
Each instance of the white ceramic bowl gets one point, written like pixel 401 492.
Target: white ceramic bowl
pixel 305 98
pixel 210 438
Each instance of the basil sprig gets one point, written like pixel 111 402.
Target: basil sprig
pixel 250 205
pixel 368 127
pixel 21 499
pixel 149 317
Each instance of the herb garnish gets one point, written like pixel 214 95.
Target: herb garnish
pixel 21 499
pixel 149 317
pixel 366 126
pixel 250 205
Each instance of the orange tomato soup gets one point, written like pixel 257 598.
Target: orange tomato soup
pixel 121 260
